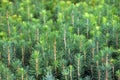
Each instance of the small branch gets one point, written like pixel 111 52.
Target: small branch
pixel 36 61
pixel 69 55
pixel 93 49
pixel 99 73
pixel 87 28
pixel 106 78
pixel 97 46
pixel 54 46
pixel 22 76
pixel 65 39
pixel 70 72
pixel 92 70
pixel 78 61
pixel 23 55
pixel 72 19
pixel 9 56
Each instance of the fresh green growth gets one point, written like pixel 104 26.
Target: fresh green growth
pixel 59 39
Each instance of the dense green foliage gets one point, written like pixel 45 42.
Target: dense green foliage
pixel 59 40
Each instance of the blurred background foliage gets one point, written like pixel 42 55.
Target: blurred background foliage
pixel 59 40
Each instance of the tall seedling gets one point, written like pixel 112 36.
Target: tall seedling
pixel 108 51
pixel 65 73
pixel 79 59
pixel 96 36
pixel 23 50
pixel 54 46
pixel 65 44
pixel 21 74
pixel 86 15
pixel 71 72
pixel 35 63
pixel 82 40
pixel 91 44
pixel 64 69
pixel 9 58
